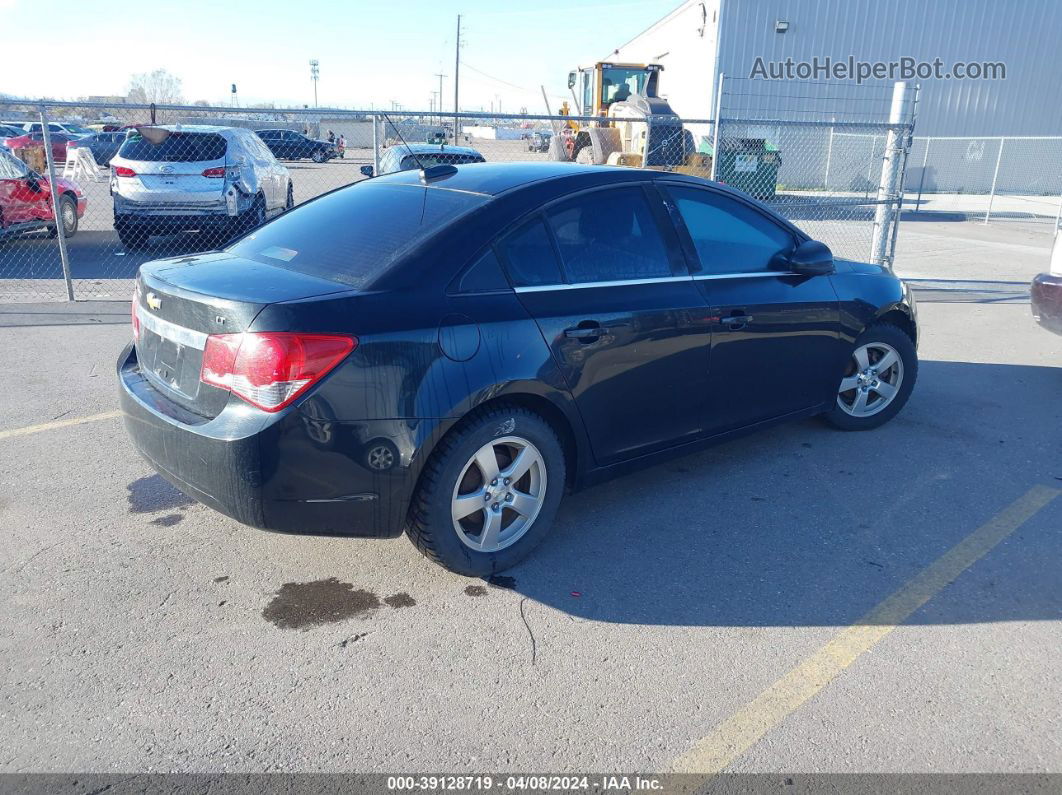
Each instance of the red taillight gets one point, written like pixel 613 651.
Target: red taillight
pixel 133 312
pixel 122 171
pixel 270 369
pixel 216 173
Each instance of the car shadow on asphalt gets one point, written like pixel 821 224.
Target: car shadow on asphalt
pixel 804 525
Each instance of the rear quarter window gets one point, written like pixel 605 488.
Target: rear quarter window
pixel 353 235
pixel 175 148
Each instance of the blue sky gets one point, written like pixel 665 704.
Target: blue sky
pixel 370 52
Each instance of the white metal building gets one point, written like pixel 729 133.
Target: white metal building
pixel 702 38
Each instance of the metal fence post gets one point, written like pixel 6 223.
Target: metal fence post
pixel 885 212
pixel 718 125
pixel 829 159
pixel 375 145
pixel 1058 215
pixel 60 233
pixel 995 176
pixel 922 178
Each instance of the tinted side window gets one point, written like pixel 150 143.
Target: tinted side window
pixel 485 275
pixel 609 235
pixel 528 253
pixel 729 236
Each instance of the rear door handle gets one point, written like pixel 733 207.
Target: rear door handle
pixel 736 321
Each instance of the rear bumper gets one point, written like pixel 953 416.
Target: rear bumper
pixel 1046 295
pixel 289 472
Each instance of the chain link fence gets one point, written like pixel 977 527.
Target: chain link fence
pixel 127 194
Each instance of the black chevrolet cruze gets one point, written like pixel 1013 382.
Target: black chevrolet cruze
pixel 449 351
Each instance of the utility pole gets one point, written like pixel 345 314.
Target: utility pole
pixel 457 69
pixel 315 73
pixel 440 75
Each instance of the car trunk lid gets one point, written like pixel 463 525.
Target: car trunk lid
pixel 182 301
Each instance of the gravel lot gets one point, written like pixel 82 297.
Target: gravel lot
pixel 143 631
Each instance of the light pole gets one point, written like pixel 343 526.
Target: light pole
pixel 315 73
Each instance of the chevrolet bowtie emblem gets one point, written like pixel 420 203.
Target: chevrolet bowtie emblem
pixel 153 301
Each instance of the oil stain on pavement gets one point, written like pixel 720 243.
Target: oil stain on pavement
pixel 301 605
pixel 399 600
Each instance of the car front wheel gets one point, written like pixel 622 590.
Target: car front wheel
pixel 877 381
pixel 67 216
pixel 318 156
pixel 489 492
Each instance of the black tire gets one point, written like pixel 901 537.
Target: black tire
pixel 131 237
pixel 430 525
pixel 68 217
pixel 898 340
pixel 289 203
pixel 255 216
pixel 318 156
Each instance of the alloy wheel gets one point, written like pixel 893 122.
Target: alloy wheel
pixel 499 494
pixel 871 381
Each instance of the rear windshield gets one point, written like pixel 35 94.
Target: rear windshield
pixel 353 235
pixel 175 148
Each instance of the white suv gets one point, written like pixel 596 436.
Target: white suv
pixel 222 181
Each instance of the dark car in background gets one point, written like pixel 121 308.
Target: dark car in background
pixel 103 145
pixel 291 145
pixel 448 351
pixel 1046 293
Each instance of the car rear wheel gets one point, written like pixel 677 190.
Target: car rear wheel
pixel 67 216
pixel 877 380
pixel 489 492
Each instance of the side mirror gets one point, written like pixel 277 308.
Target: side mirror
pixel 366 170
pixel 571 79
pixel 811 258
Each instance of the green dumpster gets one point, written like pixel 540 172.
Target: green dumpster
pixel 748 164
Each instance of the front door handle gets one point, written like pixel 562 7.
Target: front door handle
pixel 736 322
pixel 591 333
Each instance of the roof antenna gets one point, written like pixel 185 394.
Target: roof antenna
pixel 403 139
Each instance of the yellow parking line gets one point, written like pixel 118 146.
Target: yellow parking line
pixel 749 724
pixel 50 426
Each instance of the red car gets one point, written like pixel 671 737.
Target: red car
pixel 36 140
pixel 26 200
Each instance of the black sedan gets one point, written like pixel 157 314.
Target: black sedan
pixel 103 145
pixel 290 145
pixel 449 351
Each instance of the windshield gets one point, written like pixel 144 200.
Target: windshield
pixel 618 84
pixel 77 129
pixel 177 147
pixel 354 234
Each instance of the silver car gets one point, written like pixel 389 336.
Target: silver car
pixel 222 181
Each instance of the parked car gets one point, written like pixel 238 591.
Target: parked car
pixel 539 141
pixel 405 157
pixel 1046 293
pixel 103 145
pixel 7 131
pixel 26 200
pixel 290 145
pixel 67 128
pixel 35 140
pixel 221 181
pixel 537 327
